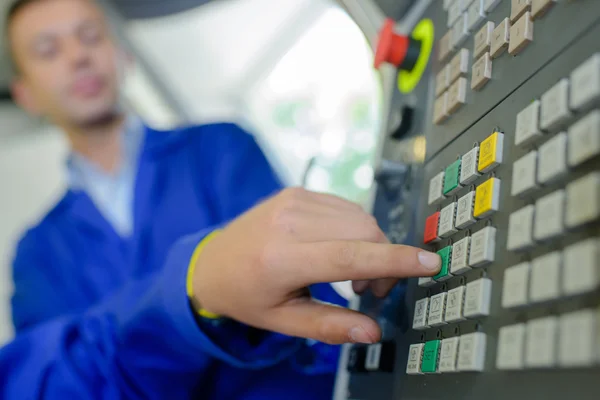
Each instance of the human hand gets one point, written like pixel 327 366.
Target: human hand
pixel 258 269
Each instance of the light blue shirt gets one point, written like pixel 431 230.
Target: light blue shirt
pixel 112 194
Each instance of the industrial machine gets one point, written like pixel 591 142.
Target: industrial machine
pixel 507 105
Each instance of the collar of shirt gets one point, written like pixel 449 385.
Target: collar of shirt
pixel 112 194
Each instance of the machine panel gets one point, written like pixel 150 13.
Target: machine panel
pixel 509 196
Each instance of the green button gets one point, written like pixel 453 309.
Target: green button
pixel 451 177
pixel 431 351
pixel 445 254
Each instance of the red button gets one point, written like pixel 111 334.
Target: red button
pixel 391 47
pixel 431 228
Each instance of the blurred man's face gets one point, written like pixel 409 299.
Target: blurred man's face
pixel 67 62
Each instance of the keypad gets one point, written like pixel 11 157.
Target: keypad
pixel 518 8
pixel 520 229
pixel 491 152
pixel 421 311
pixel 578 339
pixel 447 217
pixel 471 352
pixel 449 355
pixel 584 139
pixel 459 66
pixel 545 277
pixel 521 34
pixel 482 72
pixel 460 256
pixel 549 212
pixel 452 178
pixel 483 39
pixel 583 200
pixel 516 284
pixel 457 95
pixel 469 164
pixel 555 106
pixel 528 128
pixel 415 354
pixel 483 246
pixel 553 159
pixel 464 212
pixel 581 271
pixel 487 198
pixel 460 30
pixel 431 352
pixel 436 185
pixel 455 305
pixel 444 274
pixel 431 228
pixel 540 7
pixel 540 349
pixel 585 83
pixel 477 298
pixel 511 343
pixel 500 38
pixel 476 15
pixel 437 306
pixel 524 177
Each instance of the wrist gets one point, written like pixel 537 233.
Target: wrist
pixel 192 292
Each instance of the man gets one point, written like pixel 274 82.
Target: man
pixel 105 271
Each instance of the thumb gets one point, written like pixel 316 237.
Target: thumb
pixel 328 323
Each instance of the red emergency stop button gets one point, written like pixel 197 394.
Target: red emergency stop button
pixel 431 228
pixel 399 50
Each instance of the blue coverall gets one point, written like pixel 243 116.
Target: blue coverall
pixel 100 316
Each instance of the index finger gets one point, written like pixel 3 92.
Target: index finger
pixel 336 261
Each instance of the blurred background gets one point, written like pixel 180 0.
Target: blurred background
pixel 296 73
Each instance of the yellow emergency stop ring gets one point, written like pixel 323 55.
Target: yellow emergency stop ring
pixel 424 32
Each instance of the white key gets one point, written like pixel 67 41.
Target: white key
pixel 457 95
pixel 437 306
pixel 521 34
pixel 553 159
pixel 426 281
pixel 577 339
pixel 545 277
pixel 436 184
pixel 516 285
pixel 440 109
pixel 477 298
pixel 468 167
pixel 415 352
pixel 483 247
pixel 447 215
pixel 528 128
pixel 454 12
pixel 581 270
pixel 455 304
pixel 541 343
pixel 460 256
pixel 524 176
pixel 550 212
pixel 555 106
pixel 483 39
pixel 518 8
pixel 471 352
pixel 511 342
pixel 458 66
pixel 421 310
pixel 445 46
pixel 460 31
pixel 449 355
pixel 539 7
pixel 476 14
pixel 585 83
pixel 583 200
pixel 584 139
pixel 464 212
pixel 441 81
pixel 520 228
pixel 500 38
pixel 373 357
pixel 482 72
pixel 491 4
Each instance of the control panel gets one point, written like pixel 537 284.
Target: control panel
pixel 508 194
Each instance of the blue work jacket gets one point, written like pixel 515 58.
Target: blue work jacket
pixel 101 316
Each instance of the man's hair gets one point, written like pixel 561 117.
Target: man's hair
pixel 14 8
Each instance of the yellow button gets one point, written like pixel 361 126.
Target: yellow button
pixel 487 198
pixel 490 153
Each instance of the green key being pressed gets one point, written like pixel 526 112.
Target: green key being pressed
pixel 431 352
pixel 452 177
pixel 445 254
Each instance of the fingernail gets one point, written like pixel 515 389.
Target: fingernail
pixel 430 261
pixel 358 334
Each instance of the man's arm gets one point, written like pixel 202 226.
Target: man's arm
pixel 154 349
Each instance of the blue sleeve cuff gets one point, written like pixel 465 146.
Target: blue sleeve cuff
pixel 227 342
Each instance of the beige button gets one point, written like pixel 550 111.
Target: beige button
pixel 460 31
pixel 457 95
pixel 500 38
pixel 440 109
pixel 518 8
pixel 521 34
pixel 444 48
pixel 441 81
pixel 483 39
pixel 539 7
pixel 482 72
pixel 459 65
